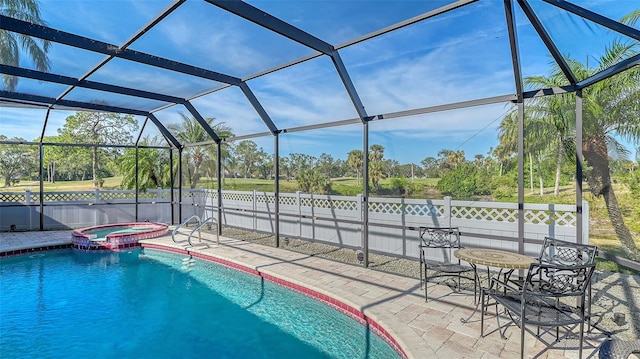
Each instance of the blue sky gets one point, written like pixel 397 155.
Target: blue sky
pixel 460 56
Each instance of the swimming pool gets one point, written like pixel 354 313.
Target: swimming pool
pixel 152 304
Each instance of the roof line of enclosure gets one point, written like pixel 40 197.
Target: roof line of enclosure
pixel 270 22
pixel 597 18
pixel 136 36
pixel 401 114
pixel 407 113
pixel 602 20
pixel 127 43
pixel 609 23
pixel 29 98
pixel 623 65
pixel 82 42
pixel 393 27
pixel 548 42
pixel 54 35
pixel 73 82
pixel 524 5
pixel 85 43
pixel 68 144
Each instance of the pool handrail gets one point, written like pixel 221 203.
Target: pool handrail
pixel 200 234
pixel 175 230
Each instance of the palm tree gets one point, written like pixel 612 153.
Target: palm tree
pixel 11 43
pixel 448 159
pixel 610 109
pixel 550 119
pixel 190 131
pixel 355 161
pixel 376 165
pixel 153 166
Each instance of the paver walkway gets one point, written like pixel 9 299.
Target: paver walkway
pixel 423 329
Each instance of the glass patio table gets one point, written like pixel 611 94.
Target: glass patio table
pixel 494 258
pixel 506 261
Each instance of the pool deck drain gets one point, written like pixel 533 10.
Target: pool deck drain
pixel 396 303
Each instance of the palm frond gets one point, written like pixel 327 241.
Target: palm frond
pixel 616 52
pixel 631 18
pixel 616 149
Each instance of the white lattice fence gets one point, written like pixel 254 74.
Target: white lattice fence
pixel 338 219
pixel 333 219
pixel 483 221
pixel 84 196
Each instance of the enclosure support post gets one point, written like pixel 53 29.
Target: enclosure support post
pixel 276 162
pixel 137 184
pixel 521 178
pixel 517 75
pixel 219 164
pixel 365 193
pixel 579 219
pixel 179 185
pixel 171 185
pixel 41 200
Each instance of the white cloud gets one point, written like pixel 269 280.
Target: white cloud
pixel 27 123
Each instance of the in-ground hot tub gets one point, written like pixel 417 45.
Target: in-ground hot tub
pixel 116 236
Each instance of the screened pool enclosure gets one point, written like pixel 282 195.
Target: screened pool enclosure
pixel 184 100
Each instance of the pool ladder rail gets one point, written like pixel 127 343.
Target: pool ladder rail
pixel 199 225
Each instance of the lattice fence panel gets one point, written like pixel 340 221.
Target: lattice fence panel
pixel 386 208
pixel 407 209
pixel 13 197
pixel 288 201
pixel 546 217
pixel 244 197
pixel 335 204
pixel 261 198
pixel 70 196
pixel 107 196
pixel 485 214
pixel 148 195
pixel 424 210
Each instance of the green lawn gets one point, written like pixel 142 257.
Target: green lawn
pixel 87 185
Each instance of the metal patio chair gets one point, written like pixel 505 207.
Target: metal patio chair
pixel 561 252
pixel 438 242
pixel 618 349
pixel 552 295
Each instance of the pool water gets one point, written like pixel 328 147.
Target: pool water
pixel 152 304
pixel 103 232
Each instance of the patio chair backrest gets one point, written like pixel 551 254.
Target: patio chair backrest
pixel 556 280
pixel 566 253
pixel 439 237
